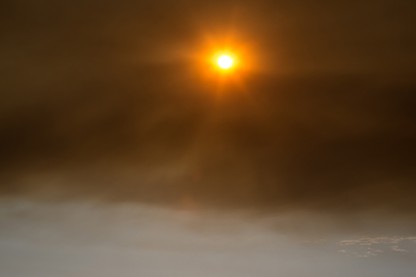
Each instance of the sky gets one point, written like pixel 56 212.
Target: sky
pixel 123 152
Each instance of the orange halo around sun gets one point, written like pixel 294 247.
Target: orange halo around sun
pixel 227 59
pixel 225 66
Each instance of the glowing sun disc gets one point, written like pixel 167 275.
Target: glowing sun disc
pixel 225 61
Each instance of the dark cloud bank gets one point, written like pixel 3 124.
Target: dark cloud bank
pixel 98 100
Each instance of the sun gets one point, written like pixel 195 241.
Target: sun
pixel 225 61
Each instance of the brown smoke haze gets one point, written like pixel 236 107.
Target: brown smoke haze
pixel 118 156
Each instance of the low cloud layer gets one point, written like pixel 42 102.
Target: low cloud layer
pixel 96 239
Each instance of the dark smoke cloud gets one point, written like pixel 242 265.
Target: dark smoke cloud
pixel 99 99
